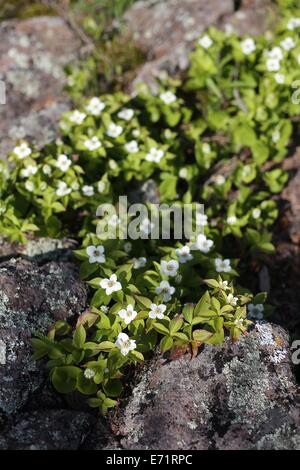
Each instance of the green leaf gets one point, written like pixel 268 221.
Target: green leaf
pixel 166 343
pixel 64 378
pixel 113 388
pixel 79 337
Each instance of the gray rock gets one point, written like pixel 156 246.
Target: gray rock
pixel 233 396
pixel 166 30
pixel 48 430
pixel 31 298
pixel 31 63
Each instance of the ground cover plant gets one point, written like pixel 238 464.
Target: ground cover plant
pixel 217 137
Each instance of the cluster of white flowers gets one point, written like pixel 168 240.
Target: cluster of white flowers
pixel 89 373
pixel 248 46
pixel 96 254
pixel 63 163
pixel 77 117
pixel 95 106
pixel 168 97
pixel 63 189
pixel 222 265
pixel 205 41
pixel 92 144
pixel 154 155
pixel 132 146
pixel 127 314
pixel 22 151
pixel 114 130
pixel 169 268
pixel 111 284
pixel 125 344
pixel 166 290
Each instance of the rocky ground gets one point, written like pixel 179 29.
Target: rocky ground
pixel 241 396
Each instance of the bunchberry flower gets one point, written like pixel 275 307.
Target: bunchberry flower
pixel 288 43
pixel 96 254
pixel 168 97
pixel 93 143
pixel 127 314
pixel 114 130
pixel 222 266
pixel 154 155
pixel 203 244
pixel 28 171
pixel 166 290
pixel 126 114
pixel 88 190
pixel 111 284
pixel 169 268
pixel 77 117
pixel 157 311
pixel 89 374
pixel 63 189
pixel 231 300
pixel 248 46
pixel 205 41
pixel 132 146
pixel 22 151
pixel 125 344
pixel 139 262
pixel 184 254
pixel 95 106
pixel 63 163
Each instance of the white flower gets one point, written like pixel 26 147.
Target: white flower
pixel 101 186
pixel 201 219
pixel 104 308
pixel 288 43
pixel 168 97
pixel 183 173
pixel 77 117
pixel 205 42
pixel 88 190
pixel 63 162
pixel 132 146
pixel 62 189
pixel 95 106
pixel 89 373
pixel 47 169
pixel 293 23
pixel 125 344
pixel 279 78
pixel 28 171
pixel 139 262
pixel 231 220
pixel 110 284
pixel 29 186
pixel 128 314
pixel 255 312
pixel 96 254
pixel 114 130
pixel 219 180
pixel 157 311
pixel 146 226
pixel 276 136
pixel 22 151
pixel 222 266
pixel 224 285
pixel 206 148
pixel 248 46
pixel 273 65
pixel 93 143
pixel 184 254
pixel 203 244
pixel 231 300
pixel 126 114
pixel 114 220
pixel 128 247
pixel 275 53
pixel 169 268
pixel 165 289
pixel 154 155
pixel 256 213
